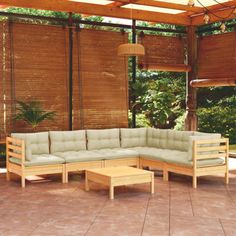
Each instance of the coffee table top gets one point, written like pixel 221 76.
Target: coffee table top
pixel 119 171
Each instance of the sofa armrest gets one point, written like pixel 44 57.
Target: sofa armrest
pixel 15 148
pixel 210 149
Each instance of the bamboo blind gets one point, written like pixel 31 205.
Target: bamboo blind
pixel 1 81
pixel 100 80
pixel 5 80
pixel 162 52
pixel 40 71
pixel 217 56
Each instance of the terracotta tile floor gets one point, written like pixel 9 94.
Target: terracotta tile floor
pixel 52 208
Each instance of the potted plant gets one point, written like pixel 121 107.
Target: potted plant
pixel 32 113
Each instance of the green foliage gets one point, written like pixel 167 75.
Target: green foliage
pixel 32 113
pixel 141 120
pixel 36 12
pixel 159 96
pixel 219 115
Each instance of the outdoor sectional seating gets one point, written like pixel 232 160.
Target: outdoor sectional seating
pixel 184 152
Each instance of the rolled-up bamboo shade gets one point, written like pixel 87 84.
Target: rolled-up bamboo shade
pixel 217 56
pixel 131 49
pixel 163 53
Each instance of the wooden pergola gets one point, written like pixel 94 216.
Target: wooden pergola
pixel 164 11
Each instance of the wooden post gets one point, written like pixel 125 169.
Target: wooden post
pixel 134 74
pixel 191 98
pixel 70 35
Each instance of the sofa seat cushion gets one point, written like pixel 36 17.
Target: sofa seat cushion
pixel 97 155
pixel 200 163
pixel 104 138
pixel 79 156
pixel 40 160
pixel 117 153
pixel 150 152
pixel 63 141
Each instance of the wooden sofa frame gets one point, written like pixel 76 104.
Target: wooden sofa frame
pixel 16 148
pixel 221 147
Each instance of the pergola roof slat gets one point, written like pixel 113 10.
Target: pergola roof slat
pixel 96 9
pixel 161 11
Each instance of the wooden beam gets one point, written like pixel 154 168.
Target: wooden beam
pixel 199 83
pixel 213 8
pixel 168 5
pixel 226 13
pixel 96 9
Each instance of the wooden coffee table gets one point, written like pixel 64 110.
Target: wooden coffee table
pixel 117 176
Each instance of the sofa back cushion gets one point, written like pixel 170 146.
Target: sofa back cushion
pixel 169 139
pixel 136 137
pixel 104 138
pixel 201 136
pixel 178 140
pixel 35 143
pixel 63 141
pixel 157 138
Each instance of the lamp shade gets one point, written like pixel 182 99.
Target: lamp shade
pixel 131 49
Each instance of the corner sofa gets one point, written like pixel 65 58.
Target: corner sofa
pixel 184 152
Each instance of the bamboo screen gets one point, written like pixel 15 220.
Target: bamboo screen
pixel 1 82
pixel 5 79
pixel 101 82
pixel 40 71
pixel 217 56
pixel 161 51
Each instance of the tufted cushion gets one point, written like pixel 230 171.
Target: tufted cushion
pixel 117 153
pixel 105 138
pixel 62 141
pixel 79 156
pixel 169 139
pixel 35 143
pixel 178 140
pixel 157 137
pixel 40 160
pixel 96 155
pixel 133 137
pixel 201 136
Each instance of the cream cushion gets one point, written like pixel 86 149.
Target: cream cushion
pixel 157 137
pixel 201 136
pixel 35 143
pixel 117 153
pixel 168 139
pixel 178 140
pixel 63 141
pixel 96 155
pixel 105 138
pixel 79 156
pixel 173 156
pixel 133 137
pixel 40 160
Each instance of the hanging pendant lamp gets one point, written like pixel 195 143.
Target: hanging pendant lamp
pixel 131 49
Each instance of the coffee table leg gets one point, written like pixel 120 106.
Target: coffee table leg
pixel 152 184
pixel 111 192
pixel 86 182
